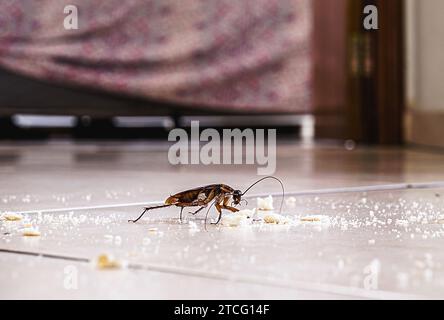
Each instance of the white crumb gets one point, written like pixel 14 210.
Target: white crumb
pixel 265 204
pixel 193 227
pixel 403 223
pixel 290 201
pixel 247 213
pixel 109 238
pixel 242 217
pixel 234 220
pixel 118 240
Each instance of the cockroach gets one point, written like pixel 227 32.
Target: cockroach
pixel 221 196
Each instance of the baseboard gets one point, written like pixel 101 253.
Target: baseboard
pixel 424 128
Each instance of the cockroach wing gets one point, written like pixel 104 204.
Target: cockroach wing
pixel 187 196
pixel 192 195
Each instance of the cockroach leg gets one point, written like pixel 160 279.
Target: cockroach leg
pixel 218 219
pixel 206 215
pixel 219 210
pixel 134 221
pixel 230 208
pixel 197 211
pixel 149 208
pixel 180 217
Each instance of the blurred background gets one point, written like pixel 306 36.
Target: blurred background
pixel 135 69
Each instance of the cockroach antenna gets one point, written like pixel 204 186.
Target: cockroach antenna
pixel 264 178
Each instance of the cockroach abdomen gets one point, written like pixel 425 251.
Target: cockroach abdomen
pixel 171 200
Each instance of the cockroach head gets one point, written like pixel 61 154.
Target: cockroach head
pixel 237 196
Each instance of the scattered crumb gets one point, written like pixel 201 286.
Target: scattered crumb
pixel 31 232
pixel 12 217
pixel 319 221
pixel 402 222
pixel 234 220
pixel 107 262
pixel 274 218
pixel 118 240
pixel 246 213
pixel 311 219
pixel 265 204
pixel 248 217
pixel 290 201
pixel 193 227
pixel 152 230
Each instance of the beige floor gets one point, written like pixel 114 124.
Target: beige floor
pixel 384 244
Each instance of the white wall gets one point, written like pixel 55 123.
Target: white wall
pixel 425 54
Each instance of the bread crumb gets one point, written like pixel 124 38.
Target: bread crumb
pixel 310 219
pixel 265 204
pixel 152 229
pixel 107 262
pixel 12 217
pixel 241 217
pixel 274 218
pixel 31 232
pixel 290 201
pixel 246 212
pixel 232 220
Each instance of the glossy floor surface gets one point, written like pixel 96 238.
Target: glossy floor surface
pixel 383 240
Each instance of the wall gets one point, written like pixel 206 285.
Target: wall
pixel 425 72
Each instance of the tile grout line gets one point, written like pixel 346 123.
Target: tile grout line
pixel 44 255
pixel 298 285
pixel 382 187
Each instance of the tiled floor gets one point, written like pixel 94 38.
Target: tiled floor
pixel 374 244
